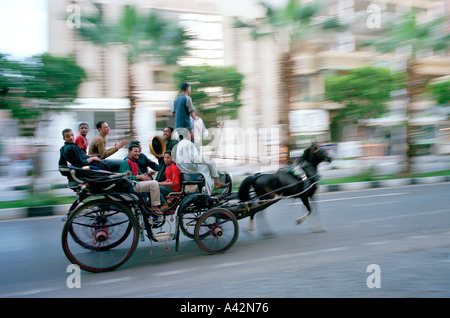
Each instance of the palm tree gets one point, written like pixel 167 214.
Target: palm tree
pixel 407 35
pixel 289 26
pixel 96 30
pixel 148 36
pixel 143 35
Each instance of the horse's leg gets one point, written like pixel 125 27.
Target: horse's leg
pixel 308 207
pixel 251 226
pixel 263 225
pixel 314 221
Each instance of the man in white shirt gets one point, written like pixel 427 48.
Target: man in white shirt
pixel 188 160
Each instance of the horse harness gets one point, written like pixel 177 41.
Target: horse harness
pixel 307 171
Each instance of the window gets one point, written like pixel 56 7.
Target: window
pixel 109 117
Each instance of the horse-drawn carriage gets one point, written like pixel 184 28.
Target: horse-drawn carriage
pixel 105 223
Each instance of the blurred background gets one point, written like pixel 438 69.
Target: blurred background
pixel 367 80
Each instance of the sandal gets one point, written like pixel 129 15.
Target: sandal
pixel 164 207
pixel 156 210
pixel 224 185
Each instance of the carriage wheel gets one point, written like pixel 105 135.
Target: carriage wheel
pixel 100 235
pixel 189 214
pixel 188 222
pixel 216 231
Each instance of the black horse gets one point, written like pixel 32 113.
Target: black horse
pixel 297 181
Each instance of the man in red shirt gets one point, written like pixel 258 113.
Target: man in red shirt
pixel 81 139
pixel 173 177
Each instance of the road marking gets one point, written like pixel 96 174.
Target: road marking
pixel 401 216
pixel 177 272
pixel 29 292
pixel 334 249
pixel 230 264
pixel 417 237
pixel 372 204
pixel 282 256
pixel 354 198
pixel 110 281
pixel 377 243
pixel 363 197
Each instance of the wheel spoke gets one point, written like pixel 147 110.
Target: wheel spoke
pixel 216 231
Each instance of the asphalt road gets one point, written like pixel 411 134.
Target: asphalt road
pixel 403 231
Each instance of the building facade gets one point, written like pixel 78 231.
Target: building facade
pixel 217 42
pixel 337 53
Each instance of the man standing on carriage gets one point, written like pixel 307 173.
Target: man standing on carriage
pixel 183 108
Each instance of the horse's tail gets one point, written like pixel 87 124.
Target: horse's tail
pixel 244 188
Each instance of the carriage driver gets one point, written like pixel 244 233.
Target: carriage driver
pixel 188 160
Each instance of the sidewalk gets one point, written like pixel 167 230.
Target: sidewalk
pixel 337 169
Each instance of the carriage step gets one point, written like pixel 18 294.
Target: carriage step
pixel 162 237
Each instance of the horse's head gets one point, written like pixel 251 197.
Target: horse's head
pixel 315 155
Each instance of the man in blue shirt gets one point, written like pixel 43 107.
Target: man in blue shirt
pixel 183 109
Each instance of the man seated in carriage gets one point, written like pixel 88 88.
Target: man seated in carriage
pixel 143 161
pixel 170 143
pixel 173 177
pixel 190 161
pixel 142 181
pixel 73 154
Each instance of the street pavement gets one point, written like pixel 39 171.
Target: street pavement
pixel 404 231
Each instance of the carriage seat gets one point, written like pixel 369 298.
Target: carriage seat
pixel 98 181
pixel 192 178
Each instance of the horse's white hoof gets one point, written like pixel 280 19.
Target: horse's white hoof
pixel 300 221
pixel 318 229
pixel 269 235
pixel 251 227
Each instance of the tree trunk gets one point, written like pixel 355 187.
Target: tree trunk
pixel 103 66
pixel 132 100
pixel 286 87
pixel 414 89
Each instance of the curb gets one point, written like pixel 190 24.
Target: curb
pixel 55 210
pixel 41 211
pixel 381 184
